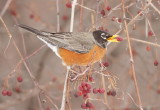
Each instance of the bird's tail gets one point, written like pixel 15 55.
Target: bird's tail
pixel 35 31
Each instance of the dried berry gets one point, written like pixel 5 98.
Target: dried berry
pixel 109 93
pixel 113 93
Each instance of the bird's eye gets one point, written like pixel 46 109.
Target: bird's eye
pixel 103 35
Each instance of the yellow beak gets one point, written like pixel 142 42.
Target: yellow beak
pixel 113 38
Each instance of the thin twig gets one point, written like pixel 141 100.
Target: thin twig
pixel 24 62
pixel 131 58
pixel 64 91
pixel 152 5
pixel 145 42
pixel 5 7
pixel 58 20
pixel 72 14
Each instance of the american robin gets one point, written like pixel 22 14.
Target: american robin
pixel 76 48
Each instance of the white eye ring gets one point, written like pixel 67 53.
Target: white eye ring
pixel 103 35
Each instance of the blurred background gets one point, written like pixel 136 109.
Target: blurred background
pixel 19 91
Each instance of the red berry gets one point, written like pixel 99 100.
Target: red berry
pixel 83 84
pixel 19 79
pixel 155 63
pixel 80 88
pixel 69 5
pixel 83 106
pixel 150 33
pixel 80 93
pixel 4 92
pixel 108 8
pixel 119 39
pixel 85 88
pixel 85 96
pixel 101 91
pixel 103 13
pixel 88 86
pixel 95 91
pixel 64 17
pixel 9 93
pixel 106 64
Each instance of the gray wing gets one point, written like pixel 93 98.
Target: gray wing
pixel 80 42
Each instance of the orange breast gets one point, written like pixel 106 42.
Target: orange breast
pixel 82 59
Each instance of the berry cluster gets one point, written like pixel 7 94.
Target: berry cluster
pixel 6 93
pixel 84 89
pixel 87 105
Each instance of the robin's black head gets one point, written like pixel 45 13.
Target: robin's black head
pixel 102 38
